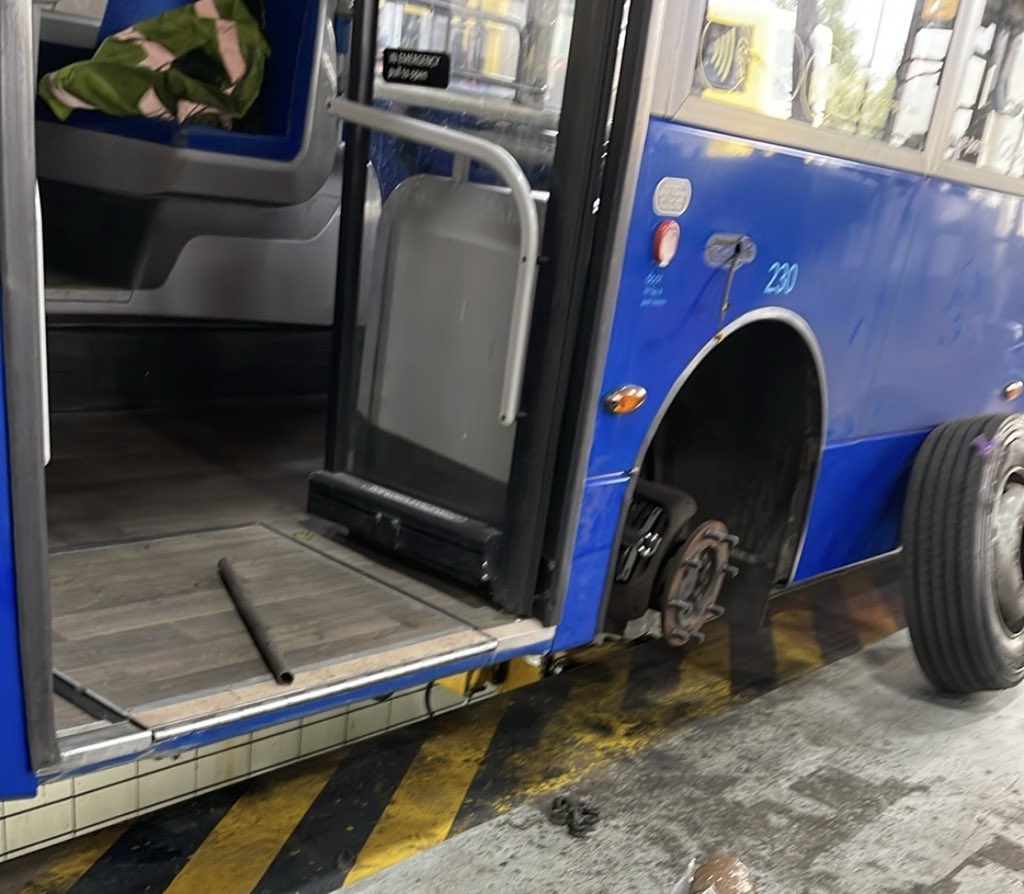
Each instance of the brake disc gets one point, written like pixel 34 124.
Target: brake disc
pixel 692 580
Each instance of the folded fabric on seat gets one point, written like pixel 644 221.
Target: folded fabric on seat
pixel 202 63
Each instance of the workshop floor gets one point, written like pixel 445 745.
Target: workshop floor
pixel 856 780
pixel 851 778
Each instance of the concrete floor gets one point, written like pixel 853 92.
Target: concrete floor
pixel 854 779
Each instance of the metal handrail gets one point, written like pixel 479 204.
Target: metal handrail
pixel 499 81
pixel 507 168
pixel 468 12
pixel 467 103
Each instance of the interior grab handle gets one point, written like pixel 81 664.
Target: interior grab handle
pixel 507 168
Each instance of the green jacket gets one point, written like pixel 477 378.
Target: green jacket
pixel 200 63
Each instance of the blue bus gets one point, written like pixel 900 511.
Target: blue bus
pixel 612 317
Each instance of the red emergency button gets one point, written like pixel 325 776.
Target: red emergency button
pixel 666 242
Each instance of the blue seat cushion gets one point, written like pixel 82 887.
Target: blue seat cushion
pixel 274 128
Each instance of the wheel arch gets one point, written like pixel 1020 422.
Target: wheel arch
pixel 779 320
pixel 761 315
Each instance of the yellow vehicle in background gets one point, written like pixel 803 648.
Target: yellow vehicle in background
pixel 751 57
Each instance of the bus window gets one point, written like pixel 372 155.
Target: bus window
pixel 866 68
pixel 988 126
pixel 508 61
pixel 512 50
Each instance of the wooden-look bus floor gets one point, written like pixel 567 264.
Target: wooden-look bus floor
pixel 143 506
pixel 115 476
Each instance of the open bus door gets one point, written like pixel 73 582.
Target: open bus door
pixel 465 202
pixel 468 222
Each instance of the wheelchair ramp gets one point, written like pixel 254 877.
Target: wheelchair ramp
pixel 147 627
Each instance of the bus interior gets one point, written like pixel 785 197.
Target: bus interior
pixel 190 277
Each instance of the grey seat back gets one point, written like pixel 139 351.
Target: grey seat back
pixel 436 323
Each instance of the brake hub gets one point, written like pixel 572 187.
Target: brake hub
pixel 692 580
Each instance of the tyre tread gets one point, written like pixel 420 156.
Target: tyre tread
pixel 946 498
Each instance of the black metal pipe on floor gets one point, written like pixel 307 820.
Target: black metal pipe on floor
pixel 273 659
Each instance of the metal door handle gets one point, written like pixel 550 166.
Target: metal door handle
pixel 724 249
pixel 731 251
pixel 505 166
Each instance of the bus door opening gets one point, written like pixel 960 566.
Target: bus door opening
pixel 187 282
pixel 428 386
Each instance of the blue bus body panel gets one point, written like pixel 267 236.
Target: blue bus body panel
pixel 596 532
pixel 16 776
pixel 957 329
pixel 859 502
pixel 847 226
pixel 907 283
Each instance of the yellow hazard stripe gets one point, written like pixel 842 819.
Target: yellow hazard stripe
pixel 869 611
pixel 797 649
pixel 61 875
pixel 705 684
pixel 237 853
pixel 587 731
pixel 427 800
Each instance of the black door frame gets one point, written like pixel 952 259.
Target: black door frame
pixel 589 173
pixel 344 348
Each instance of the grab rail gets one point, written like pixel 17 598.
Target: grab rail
pixel 499 160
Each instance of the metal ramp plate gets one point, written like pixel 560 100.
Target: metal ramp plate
pixel 148 627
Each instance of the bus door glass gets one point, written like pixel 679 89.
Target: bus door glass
pixel 455 208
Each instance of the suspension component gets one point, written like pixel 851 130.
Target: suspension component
pixel 658 520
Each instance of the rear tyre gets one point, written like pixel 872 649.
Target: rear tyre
pixel 962 529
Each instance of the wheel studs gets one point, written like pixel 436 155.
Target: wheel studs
pixel 723 537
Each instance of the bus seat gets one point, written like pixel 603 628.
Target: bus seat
pixel 285 159
pixel 121 14
pixel 444 270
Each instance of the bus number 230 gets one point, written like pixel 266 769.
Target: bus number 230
pixel 782 278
